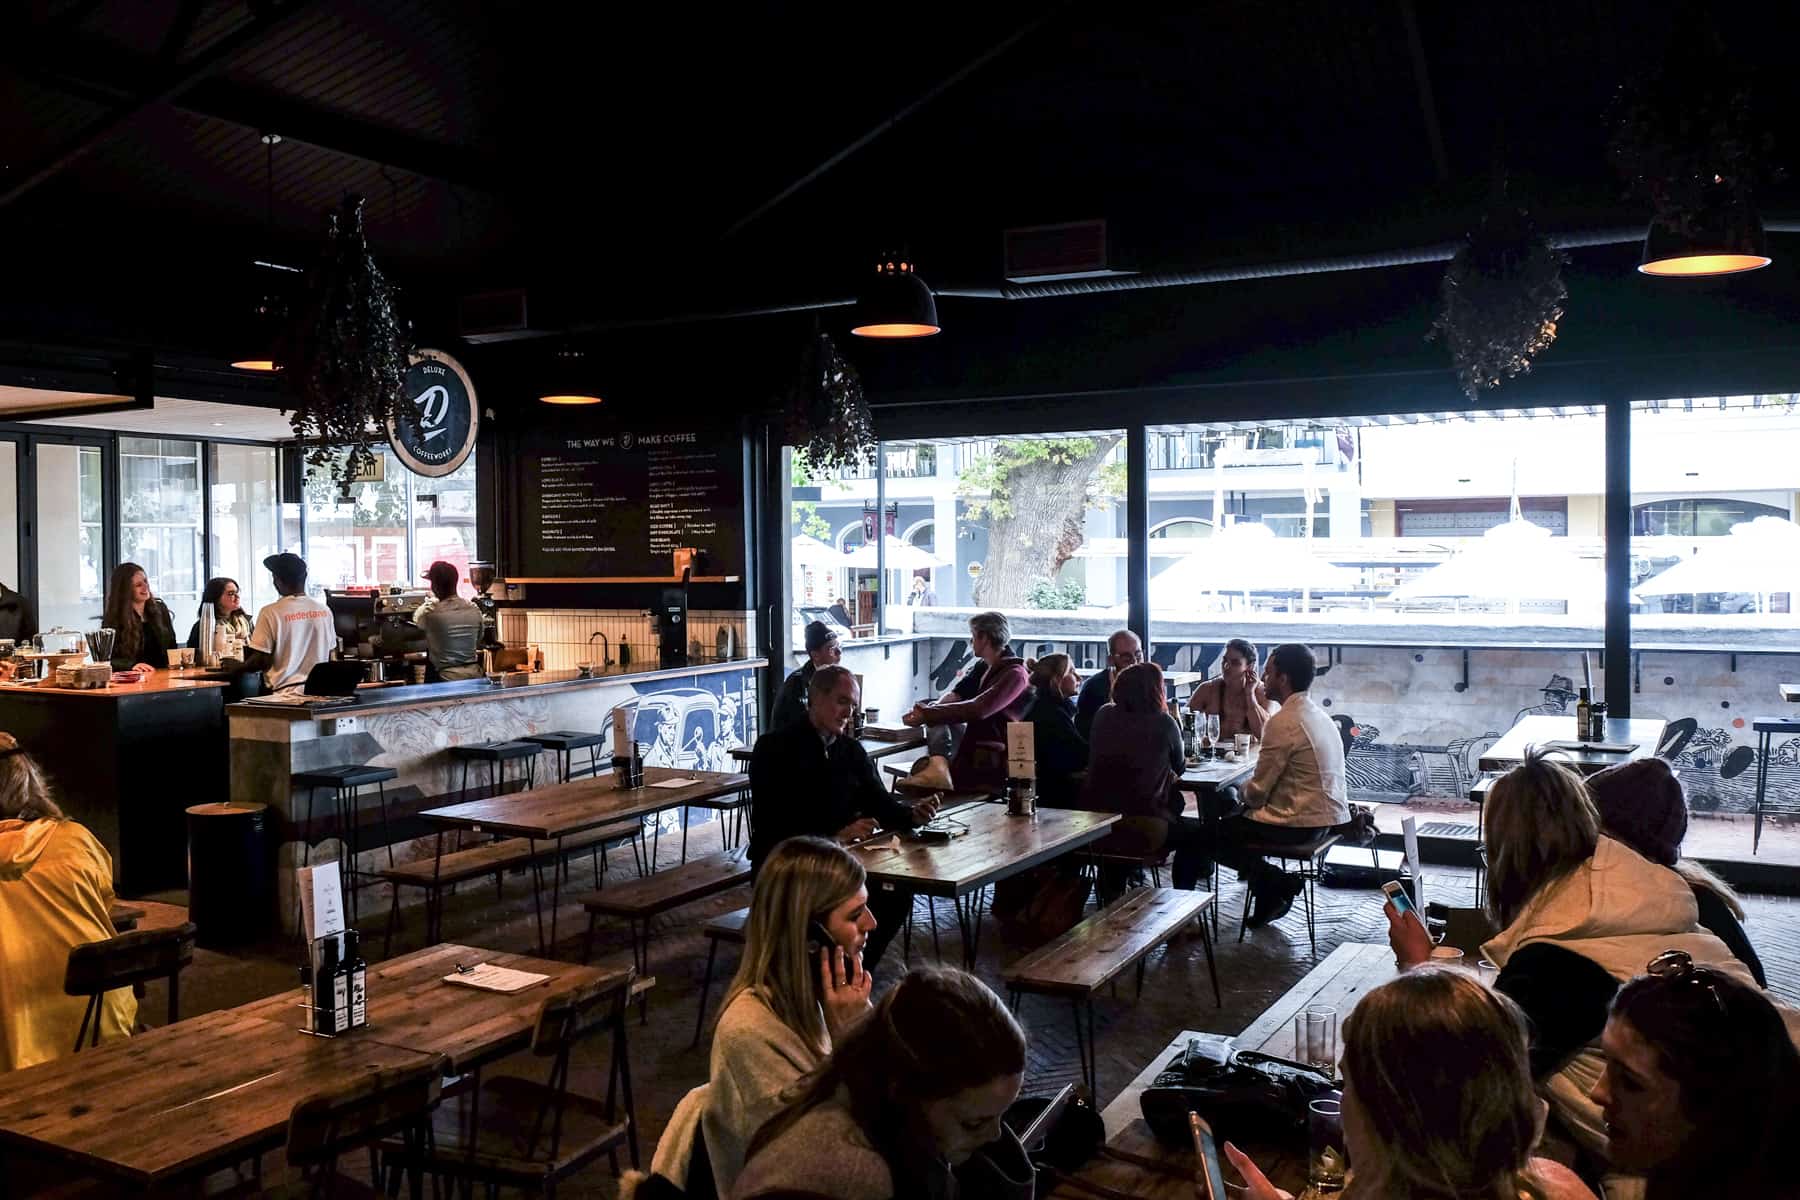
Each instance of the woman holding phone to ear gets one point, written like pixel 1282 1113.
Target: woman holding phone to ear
pixel 799 990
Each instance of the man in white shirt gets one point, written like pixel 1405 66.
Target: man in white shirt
pixel 292 635
pixel 1297 792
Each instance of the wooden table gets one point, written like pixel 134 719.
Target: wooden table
pixel 1210 776
pixel 182 1100
pixel 128 915
pixel 550 814
pixel 1346 974
pixel 995 847
pixel 1507 753
pixel 411 1006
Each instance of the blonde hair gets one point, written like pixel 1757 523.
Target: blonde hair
pixel 1541 825
pixel 1048 669
pixel 24 792
pixel 1436 1061
pixel 801 881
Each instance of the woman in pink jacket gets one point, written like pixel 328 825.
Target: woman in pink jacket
pixel 1001 691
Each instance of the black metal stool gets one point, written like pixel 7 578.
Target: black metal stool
pixel 1766 728
pixel 346 783
pixel 563 742
pixel 496 755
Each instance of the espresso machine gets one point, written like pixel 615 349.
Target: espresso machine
pixel 484 575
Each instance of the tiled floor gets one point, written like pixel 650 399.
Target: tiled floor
pixel 1128 1029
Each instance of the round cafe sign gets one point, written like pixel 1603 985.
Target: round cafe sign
pixel 443 400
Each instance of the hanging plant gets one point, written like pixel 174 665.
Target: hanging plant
pixel 1500 301
pixel 828 419
pixel 1686 139
pixel 350 353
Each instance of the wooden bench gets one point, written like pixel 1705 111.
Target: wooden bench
pixel 1097 951
pixel 726 927
pixel 444 871
pixel 641 899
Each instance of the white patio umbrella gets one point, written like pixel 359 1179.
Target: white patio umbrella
pixel 1245 557
pixel 901 556
pixel 808 551
pixel 1760 556
pixel 1514 561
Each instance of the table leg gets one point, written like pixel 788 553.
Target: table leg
pixel 685 810
pixel 537 892
pixel 556 876
pixel 1764 742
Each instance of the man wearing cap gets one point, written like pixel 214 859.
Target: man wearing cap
pixel 292 635
pixel 452 626
pixel 821 651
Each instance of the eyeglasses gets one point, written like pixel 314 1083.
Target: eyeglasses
pixel 1679 965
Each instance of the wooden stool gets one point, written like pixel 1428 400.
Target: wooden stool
pixel 346 784
pixel 129 960
pixel 562 742
pixel 726 927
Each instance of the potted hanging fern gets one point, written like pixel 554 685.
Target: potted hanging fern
pixel 348 373
pixel 828 418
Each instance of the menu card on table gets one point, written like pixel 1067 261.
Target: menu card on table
pixel 1021 750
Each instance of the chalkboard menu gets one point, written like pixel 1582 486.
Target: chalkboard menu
pixel 618 505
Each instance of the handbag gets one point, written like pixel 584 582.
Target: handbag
pixel 1244 1095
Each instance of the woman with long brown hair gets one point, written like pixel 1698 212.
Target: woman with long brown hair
pixel 56 893
pixel 799 990
pixel 1438 1103
pixel 909 1104
pixel 1579 913
pixel 141 621
pixel 1134 761
pixel 1060 752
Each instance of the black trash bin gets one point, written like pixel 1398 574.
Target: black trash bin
pixel 230 876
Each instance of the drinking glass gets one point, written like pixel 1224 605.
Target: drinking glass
pixel 1241 743
pixel 1447 954
pixel 1327 1164
pixel 1489 973
pixel 1212 727
pixel 1315 1037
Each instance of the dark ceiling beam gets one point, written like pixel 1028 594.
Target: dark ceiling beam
pixel 175 40
pixel 932 93
pixel 1434 132
pixel 264 111
pixel 271 18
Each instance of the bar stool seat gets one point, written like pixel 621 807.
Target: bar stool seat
pixel 1766 730
pixel 564 742
pixel 346 783
pixel 1308 859
pixel 494 752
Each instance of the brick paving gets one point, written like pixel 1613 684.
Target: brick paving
pixel 1128 1029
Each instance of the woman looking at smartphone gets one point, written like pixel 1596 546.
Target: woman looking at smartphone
pixel 1438 1100
pixel 799 990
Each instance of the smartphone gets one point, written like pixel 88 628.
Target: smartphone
pixel 1403 904
pixel 1209 1177
pixel 817 939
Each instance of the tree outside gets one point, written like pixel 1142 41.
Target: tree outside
pixel 1033 496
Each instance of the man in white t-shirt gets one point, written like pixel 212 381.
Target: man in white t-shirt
pixel 292 635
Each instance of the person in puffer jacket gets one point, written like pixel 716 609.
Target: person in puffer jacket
pixel 1579 914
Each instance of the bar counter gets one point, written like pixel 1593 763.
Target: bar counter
pixel 126 760
pixel 690 717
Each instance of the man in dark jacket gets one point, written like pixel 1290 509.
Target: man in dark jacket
pixel 815 779
pixel 821 651
pixel 1123 649
pixel 18 622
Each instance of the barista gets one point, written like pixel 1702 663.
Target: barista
pixel 452 626
pixel 292 635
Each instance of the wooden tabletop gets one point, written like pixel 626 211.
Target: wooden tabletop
pixel 128 915
pixel 564 808
pixel 1350 971
pixel 181 1099
pixel 410 1005
pixel 1217 773
pixel 1644 736
pixel 995 847
pixel 151 684
pixel 874 747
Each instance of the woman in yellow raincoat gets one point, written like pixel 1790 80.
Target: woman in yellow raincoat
pixel 56 892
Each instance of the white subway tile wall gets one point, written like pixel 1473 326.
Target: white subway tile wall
pixel 568 635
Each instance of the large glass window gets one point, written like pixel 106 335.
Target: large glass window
pixel 160 517
pixel 1447 572
pixel 245 519
pixel 71 535
pixel 387 531
pixel 1715 563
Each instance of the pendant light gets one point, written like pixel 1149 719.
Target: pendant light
pixel 895 304
pixel 267 308
pixel 566 381
pixel 1724 238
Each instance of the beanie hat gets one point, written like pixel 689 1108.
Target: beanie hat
pixel 1641 804
pixel 817 634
